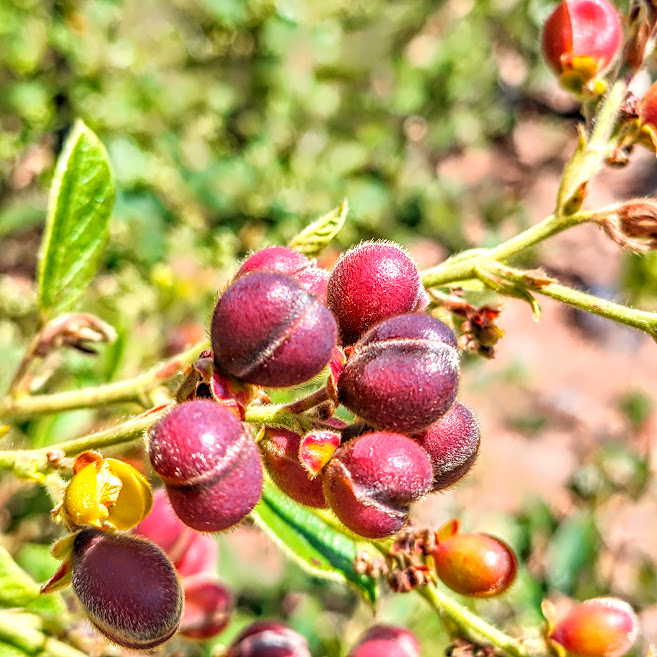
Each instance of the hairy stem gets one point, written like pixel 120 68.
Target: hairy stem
pixel 111 393
pixel 472 625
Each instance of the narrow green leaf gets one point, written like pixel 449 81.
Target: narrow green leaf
pixel 314 238
pixel 77 225
pixel 7 650
pixel 17 588
pixel 317 547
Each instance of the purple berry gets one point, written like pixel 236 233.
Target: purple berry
pixel 280 452
pixel 283 260
pixel 387 641
pixel 402 375
pixel 452 443
pixel 209 463
pixel 266 639
pixel 127 587
pixel 267 330
pixel 208 607
pixel 371 481
pixel 369 283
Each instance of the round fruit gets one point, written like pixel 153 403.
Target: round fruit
pixel 267 330
pixel 371 282
pixel 209 464
pixel 208 608
pixel 371 481
pixel 127 587
pixel 402 375
pixel 266 639
pixel 387 641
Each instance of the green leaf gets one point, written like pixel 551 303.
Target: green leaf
pixel 574 548
pixel 17 588
pixel 317 547
pixel 77 225
pixel 314 238
pixel 7 650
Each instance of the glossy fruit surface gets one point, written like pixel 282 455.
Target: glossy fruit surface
pixel 387 641
pixel 267 639
pixel 371 282
pixel 402 375
pixel 600 627
pixel 127 587
pixel 477 565
pixel 208 608
pixel 371 481
pixel 267 330
pixel 452 443
pixel 209 463
pixel 280 452
pixel 582 37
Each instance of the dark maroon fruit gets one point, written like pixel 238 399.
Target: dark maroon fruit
pixel 266 639
pixel 371 481
pixel 280 451
pixel 209 463
pixel 452 443
pixel 283 260
pixel 371 282
pixel 127 587
pixel 402 375
pixel 267 330
pixel 387 641
pixel 208 607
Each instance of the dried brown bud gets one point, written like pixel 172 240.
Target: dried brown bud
pixel 632 224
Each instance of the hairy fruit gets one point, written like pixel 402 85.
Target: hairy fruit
pixel 387 641
pixel 209 464
pixel 267 330
pixel 127 587
pixel 267 639
pixel 402 375
pixel 371 282
pixel 371 481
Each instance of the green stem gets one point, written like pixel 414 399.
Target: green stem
pixel 474 626
pixel 638 319
pixel 121 391
pixel 36 460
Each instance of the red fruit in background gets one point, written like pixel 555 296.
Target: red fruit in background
pixel 581 38
pixel 266 639
pixel 477 565
pixel 128 588
pixel 600 627
pixel 402 375
pixel 267 330
pixel 387 641
pixel 208 608
pixel 209 463
pixel 371 481
pixel 452 444
pixel 280 452
pixel 371 282
pixel 283 260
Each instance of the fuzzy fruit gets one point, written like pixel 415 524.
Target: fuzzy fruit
pixel 127 587
pixel 209 463
pixel 387 641
pixel 266 639
pixel 402 375
pixel 267 330
pixel 371 481
pixel 371 282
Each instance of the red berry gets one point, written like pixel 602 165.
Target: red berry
pixel 582 38
pixel 267 330
pixel 127 587
pixel 452 444
pixel 371 282
pixel 402 375
pixel 387 641
pixel 208 608
pixel 371 481
pixel 266 639
pixel 283 260
pixel 209 463
pixel 475 564
pixel 280 451
pixel 600 627
pixel 647 109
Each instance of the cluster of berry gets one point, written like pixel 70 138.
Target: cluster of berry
pixel 278 324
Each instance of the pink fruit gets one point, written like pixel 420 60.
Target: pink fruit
pixel 387 641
